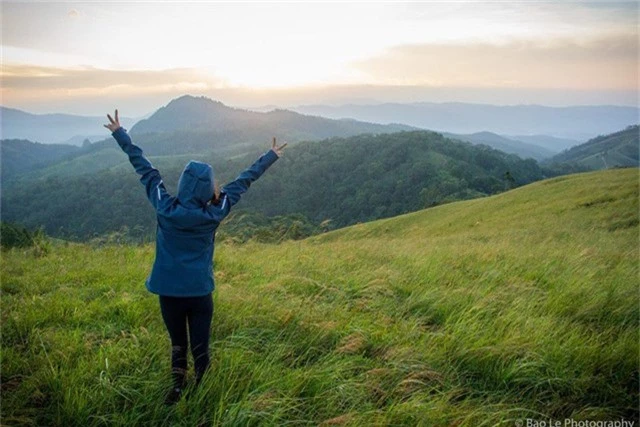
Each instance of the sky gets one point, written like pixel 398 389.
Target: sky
pixel 88 57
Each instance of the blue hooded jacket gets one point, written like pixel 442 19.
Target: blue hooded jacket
pixel 185 233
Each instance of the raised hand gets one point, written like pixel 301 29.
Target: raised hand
pixel 278 149
pixel 115 124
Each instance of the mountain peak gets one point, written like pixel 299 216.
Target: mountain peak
pixel 190 99
pixel 187 112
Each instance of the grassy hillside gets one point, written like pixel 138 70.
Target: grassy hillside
pixel 483 312
pixel 619 149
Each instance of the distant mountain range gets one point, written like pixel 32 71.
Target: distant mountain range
pixel 198 127
pixel 619 149
pixel 579 123
pixel 554 129
pixel 53 128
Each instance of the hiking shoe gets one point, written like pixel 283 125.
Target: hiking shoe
pixel 173 396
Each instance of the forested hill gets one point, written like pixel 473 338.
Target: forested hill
pixel 192 124
pixel 344 180
pixel 204 114
pixel 522 149
pixel 619 149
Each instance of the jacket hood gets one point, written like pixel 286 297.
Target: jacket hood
pixel 195 187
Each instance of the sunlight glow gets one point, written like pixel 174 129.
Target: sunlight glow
pixel 287 46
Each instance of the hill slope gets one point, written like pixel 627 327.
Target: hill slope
pixel 21 156
pixel 484 312
pixel 619 149
pixel 513 146
pixel 551 143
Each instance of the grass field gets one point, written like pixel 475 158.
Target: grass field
pixel 477 313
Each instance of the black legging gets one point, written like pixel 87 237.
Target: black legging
pixel 197 312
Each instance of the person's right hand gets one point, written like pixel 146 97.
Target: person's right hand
pixel 115 124
pixel 277 149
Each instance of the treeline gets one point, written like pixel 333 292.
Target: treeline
pixel 239 227
pixel 13 235
pixel 335 182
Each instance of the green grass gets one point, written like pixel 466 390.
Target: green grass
pixel 483 312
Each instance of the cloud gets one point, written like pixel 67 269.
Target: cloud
pixel 94 91
pixel 21 77
pixel 606 62
pixel 83 90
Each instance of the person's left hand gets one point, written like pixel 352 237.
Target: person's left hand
pixel 277 149
pixel 115 124
pixel 216 193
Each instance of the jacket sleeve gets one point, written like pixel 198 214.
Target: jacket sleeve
pixel 231 192
pixel 149 176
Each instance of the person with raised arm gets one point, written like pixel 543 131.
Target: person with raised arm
pixel 182 273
